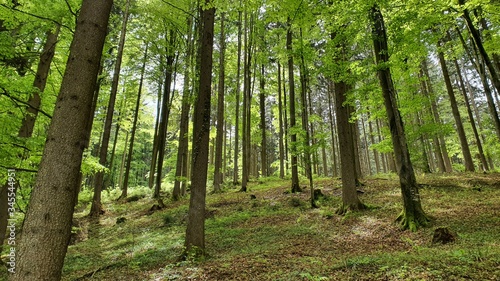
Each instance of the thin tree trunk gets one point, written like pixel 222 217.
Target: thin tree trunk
pixel 218 177
pixel 154 156
pixel 412 215
pixel 280 124
pixel 96 207
pixel 263 127
pixel 482 157
pixel 332 128
pixel 165 113
pixel 293 135
pixel 237 113
pixel 469 164
pixel 182 151
pixel 134 128
pixel 122 165
pixel 50 211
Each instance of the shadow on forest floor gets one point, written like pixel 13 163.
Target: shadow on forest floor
pixel 274 235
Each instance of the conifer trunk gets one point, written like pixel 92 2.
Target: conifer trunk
pixel 47 226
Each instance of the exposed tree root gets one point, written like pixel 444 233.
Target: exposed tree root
pixel 352 207
pixel 412 222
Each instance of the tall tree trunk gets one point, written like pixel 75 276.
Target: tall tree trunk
pixel 280 124
pixel 154 156
pixel 246 138
pixel 332 128
pixel 96 207
pixel 482 157
pixel 134 127
pixel 350 200
pixel 237 113
pixel 469 164
pixel 440 141
pixel 165 112
pixel 182 151
pixel 218 176
pixel 195 232
pixel 375 152
pixel 291 91
pixel 49 215
pixel 263 127
pixel 367 151
pixel 412 215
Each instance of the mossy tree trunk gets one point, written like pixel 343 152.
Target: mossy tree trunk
pixel 412 216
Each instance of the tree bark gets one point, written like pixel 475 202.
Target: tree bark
pixel 134 128
pixel 182 151
pixel 263 127
pixel 195 232
pixel 469 164
pixel 165 113
pixel 280 124
pixel 96 207
pixel 412 215
pixel 218 176
pixel 291 93
pixel 49 215
pixel 237 113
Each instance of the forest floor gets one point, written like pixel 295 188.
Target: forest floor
pixel 277 236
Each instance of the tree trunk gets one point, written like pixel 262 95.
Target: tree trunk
pixel 237 90
pixel 263 127
pixel 280 124
pixel 332 129
pixel 96 208
pixel 246 138
pixel 134 128
pixel 49 215
pixel 481 155
pixel 218 177
pixel 350 200
pixel 375 152
pixel 412 215
pixel 291 91
pixel 469 164
pixel 195 232
pixel 440 139
pixel 182 151
pixel 165 113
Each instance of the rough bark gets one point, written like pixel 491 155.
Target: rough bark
pixel 350 200
pixel 47 226
pixel 412 215
pixel 195 232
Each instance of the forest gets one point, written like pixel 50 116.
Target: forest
pixel 249 140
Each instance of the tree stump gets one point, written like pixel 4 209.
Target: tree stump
pixel 443 235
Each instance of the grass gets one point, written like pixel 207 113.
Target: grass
pixel 276 236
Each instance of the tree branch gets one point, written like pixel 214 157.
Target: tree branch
pixel 5 93
pixel 37 16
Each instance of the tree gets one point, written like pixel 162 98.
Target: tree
pixel 49 215
pixel 469 164
pixel 96 208
pixel 195 231
pixel 218 177
pixel 412 216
